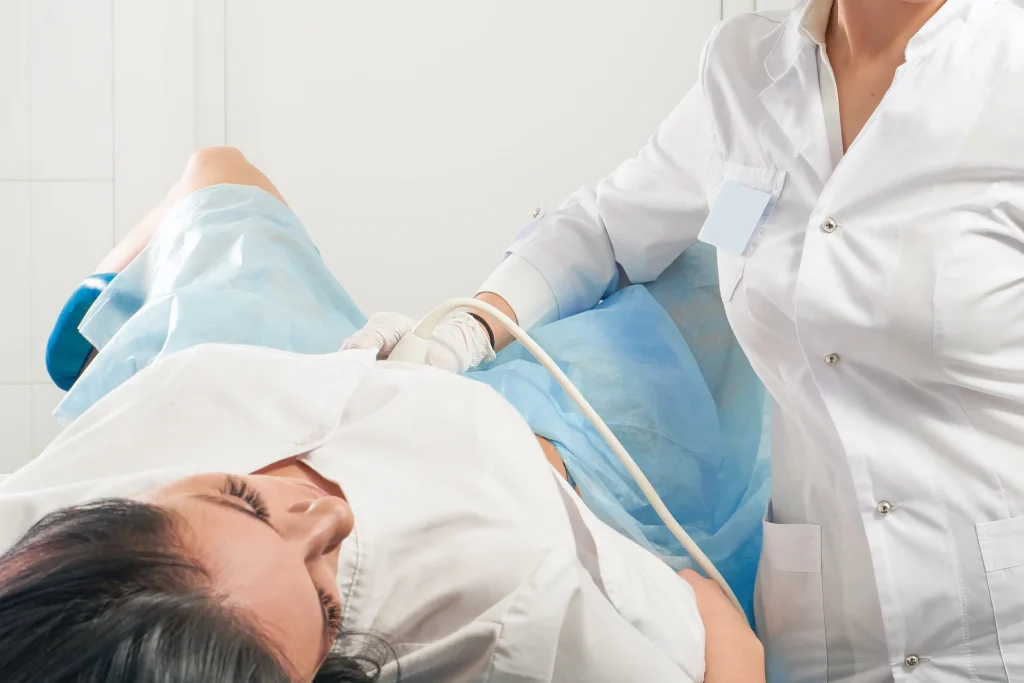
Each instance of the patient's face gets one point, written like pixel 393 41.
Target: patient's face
pixel 270 546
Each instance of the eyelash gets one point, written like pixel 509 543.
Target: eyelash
pixel 333 611
pixel 239 489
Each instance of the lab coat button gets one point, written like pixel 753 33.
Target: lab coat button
pixel 912 661
pixel 832 359
pixel 537 213
pixel 829 226
pixel 884 508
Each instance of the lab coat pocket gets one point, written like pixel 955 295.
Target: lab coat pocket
pixel 1002 549
pixel 789 605
pixel 742 202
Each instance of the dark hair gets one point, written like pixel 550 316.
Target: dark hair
pixel 101 594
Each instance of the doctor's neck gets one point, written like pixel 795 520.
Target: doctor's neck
pixel 877 29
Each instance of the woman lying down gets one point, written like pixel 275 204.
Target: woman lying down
pixel 231 512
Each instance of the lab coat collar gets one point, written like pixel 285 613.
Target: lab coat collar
pixel 947 22
pixel 809 20
pixel 793 98
pixel 792 41
pixel 814 20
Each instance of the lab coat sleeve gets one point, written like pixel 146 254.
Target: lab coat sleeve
pixel 525 290
pixel 560 626
pixel 612 649
pixel 642 216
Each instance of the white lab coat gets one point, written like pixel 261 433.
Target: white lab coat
pixel 470 555
pixel 882 304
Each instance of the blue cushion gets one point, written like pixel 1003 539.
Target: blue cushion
pixel 67 350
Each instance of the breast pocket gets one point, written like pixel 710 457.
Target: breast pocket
pixel 1002 548
pixel 742 201
pixel 789 606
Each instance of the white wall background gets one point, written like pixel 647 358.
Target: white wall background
pixel 413 138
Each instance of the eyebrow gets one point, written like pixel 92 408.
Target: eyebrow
pixel 224 502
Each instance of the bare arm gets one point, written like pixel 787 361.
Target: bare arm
pixel 551 453
pixel 733 654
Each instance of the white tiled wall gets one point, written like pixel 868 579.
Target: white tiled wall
pixel 98 114
pixel 56 191
pixel 101 102
pixel 72 81
pixel 414 139
pixel 15 317
pixel 734 7
pixel 775 4
pixel 154 101
pixel 14 84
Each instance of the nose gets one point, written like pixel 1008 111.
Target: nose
pixel 319 525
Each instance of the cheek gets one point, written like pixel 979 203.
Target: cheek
pixel 289 615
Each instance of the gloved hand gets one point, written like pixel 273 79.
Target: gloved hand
pixel 459 343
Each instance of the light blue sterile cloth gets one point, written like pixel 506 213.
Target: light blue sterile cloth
pixel 661 366
pixel 229 264
pixel 659 363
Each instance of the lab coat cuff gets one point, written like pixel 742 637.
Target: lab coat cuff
pixel 525 290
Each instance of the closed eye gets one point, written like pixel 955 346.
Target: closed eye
pixel 332 615
pixel 238 488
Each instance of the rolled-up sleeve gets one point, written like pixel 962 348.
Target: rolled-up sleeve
pixel 642 216
pixel 525 290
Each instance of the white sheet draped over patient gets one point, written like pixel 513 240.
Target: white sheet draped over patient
pixel 470 555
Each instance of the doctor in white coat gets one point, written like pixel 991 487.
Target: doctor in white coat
pixel 860 166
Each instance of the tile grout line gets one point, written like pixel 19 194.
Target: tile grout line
pixel 113 129
pixel 224 71
pixel 196 80
pixel 43 181
pixel 31 219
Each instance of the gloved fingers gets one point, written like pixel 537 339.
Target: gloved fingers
pixel 477 340
pixel 382 331
pixel 444 354
pixel 459 344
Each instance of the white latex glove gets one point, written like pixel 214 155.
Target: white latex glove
pixel 459 342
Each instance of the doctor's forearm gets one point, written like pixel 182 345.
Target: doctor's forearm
pixel 521 291
pixel 502 337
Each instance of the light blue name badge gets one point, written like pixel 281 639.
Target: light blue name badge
pixel 736 218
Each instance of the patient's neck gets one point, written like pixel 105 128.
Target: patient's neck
pixel 293 468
